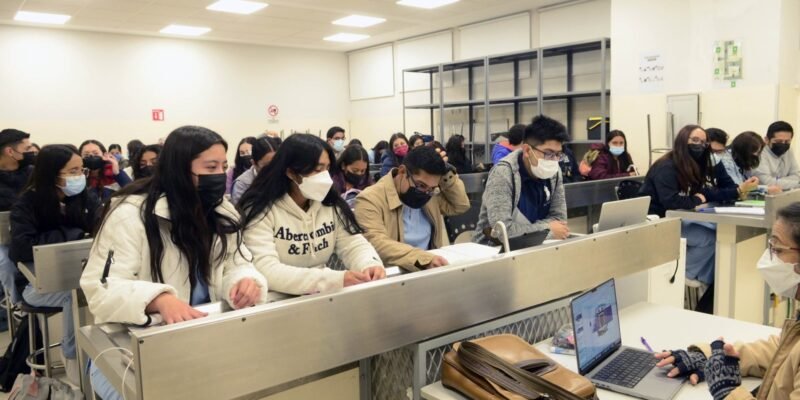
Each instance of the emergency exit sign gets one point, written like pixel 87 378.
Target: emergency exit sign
pixel 158 115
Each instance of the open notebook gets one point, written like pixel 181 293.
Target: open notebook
pixel 463 253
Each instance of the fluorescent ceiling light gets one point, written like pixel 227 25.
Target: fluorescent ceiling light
pixel 359 21
pixel 428 4
pixel 185 30
pixel 237 6
pixel 41 18
pixel 345 37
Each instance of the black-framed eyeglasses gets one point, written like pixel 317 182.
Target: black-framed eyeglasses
pixel 423 189
pixel 775 250
pixel 550 155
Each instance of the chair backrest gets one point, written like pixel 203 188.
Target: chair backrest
pixel 467 222
pixel 628 190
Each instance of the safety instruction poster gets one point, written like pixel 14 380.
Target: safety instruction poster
pixel 728 61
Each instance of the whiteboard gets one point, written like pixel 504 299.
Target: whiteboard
pixel 682 110
pixel 371 72
pixel 428 50
pixel 502 35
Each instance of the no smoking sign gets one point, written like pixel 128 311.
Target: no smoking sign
pixel 272 110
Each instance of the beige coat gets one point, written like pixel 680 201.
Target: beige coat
pixel 380 212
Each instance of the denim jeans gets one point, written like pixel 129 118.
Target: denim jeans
pixel 58 299
pixel 8 274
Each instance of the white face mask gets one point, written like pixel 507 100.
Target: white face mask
pixel 545 169
pixel 317 186
pixel 780 276
pixel 717 158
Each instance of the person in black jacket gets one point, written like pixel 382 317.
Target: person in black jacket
pixel 16 160
pixel 457 155
pixel 55 207
pixel 685 178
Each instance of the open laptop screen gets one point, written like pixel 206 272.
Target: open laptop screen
pixel 595 319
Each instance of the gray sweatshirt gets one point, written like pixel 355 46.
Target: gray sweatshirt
pixel 497 199
pixel 782 171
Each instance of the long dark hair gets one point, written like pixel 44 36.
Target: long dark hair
pixel 390 150
pixel 691 176
pixel 192 230
pixel 456 153
pixel 625 159
pixel 744 148
pixel 350 155
pixel 91 141
pixel 413 139
pixel 240 166
pixel 43 186
pixel 137 159
pixel 376 151
pixel 299 153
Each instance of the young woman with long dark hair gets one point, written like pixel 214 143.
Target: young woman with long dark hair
pixel 143 164
pixel 295 221
pixel 613 160
pixel 394 154
pixel 242 162
pixel 351 174
pixel 457 155
pixel 105 175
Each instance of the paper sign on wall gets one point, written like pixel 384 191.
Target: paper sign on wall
pixel 158 115
pixel 728 61
pixel 651 72
pixel 273 112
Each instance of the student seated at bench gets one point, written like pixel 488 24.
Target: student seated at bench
pixel 778 165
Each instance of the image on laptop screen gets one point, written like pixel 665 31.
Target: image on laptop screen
pixel 596 322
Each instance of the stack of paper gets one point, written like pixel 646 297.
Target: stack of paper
pixel 463 253
pixel 739 210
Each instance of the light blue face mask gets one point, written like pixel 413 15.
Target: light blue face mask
pixel 717 158
pixel 616 150
pixel 338 145
pixel 75 185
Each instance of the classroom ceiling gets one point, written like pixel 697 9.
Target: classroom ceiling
pixel 287 23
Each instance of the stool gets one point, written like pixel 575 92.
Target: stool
pixel 692 294
pixel 35 313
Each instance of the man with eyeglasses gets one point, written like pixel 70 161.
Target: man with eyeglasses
pixel 402 213
pixel 525 190
pixel 778 166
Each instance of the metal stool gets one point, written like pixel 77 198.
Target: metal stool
pixel 35 313
pixel 692 294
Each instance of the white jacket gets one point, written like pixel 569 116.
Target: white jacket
pixel 130 287
pixel 291 247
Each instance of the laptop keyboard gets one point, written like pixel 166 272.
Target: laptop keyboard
pixel 627 369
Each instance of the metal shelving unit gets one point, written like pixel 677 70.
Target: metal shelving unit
pixel 477 98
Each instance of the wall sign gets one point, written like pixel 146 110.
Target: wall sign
pixel 158 114
pixel 728 61
pixel 272 110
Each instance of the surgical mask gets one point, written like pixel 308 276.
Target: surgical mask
pixel 696 151
pixel 716 158
pixel 401 151
pixel 93 162
pixel 780 276
pixel 338 145
pixel 317 186
pixel 545 169
pixel 414 198
pixel 353 179
pixel 118 156
pixel 74 185
pixel 779 148
pixel 210 189
pixel 616 150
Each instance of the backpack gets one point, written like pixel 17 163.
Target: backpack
pixel 13 361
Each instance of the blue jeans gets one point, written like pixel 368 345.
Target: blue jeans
pixel 100 384
pixel 8 274
pixel 701 240
pixel 58 299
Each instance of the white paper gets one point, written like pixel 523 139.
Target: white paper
pixel 463 253
pixel 739 210
pixel 651 72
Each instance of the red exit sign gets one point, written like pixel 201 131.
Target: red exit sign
pixel 158 115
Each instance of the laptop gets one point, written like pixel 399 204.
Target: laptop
pixel 616 214
pixel 603 359
pixel 527 240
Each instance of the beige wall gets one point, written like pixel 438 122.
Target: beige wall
pixel 67 86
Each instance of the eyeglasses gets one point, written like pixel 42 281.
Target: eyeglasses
pixel 550 155
pixel 422 187
pixel 76 172
pixel 775 250
pixel 697 140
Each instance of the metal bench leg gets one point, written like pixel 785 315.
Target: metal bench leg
pixel 46 346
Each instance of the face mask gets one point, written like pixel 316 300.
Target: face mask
pixel 93 162
pixel 28 158
pixel 145 172
pixel 780 276
pixel 414 198
pixel 317 186
pixel 247 161
pixel 74 185
pixel 118 156
pixel 779 148
pixel 353 179
pixel 716 158
pixel 616 150
pixel 546 169
pixel 338 145
pixel 401 151
pixel 210 189
pixel 696 151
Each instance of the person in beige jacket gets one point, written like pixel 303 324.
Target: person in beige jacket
pixel 775 359
pixel 402 213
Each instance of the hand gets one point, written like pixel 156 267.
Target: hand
pixel 559 229
pixel 443 154
pixel 634 173
pixel 686 363
pixel 774 189
pixel 438 261
pixel 354 278
pixel 109 158
pixel 375 273
pixel 701 197
pixel 722 369
pixel 245 293
pixel 173 310
pixel 749 185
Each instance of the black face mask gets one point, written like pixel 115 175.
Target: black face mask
pixel 353 179
pixel 415 198
pixel 779 148
pixel 145 172
pixel 28 159
pixel 697 151
pixel 211 188
pixel 93 162
pixel 247 161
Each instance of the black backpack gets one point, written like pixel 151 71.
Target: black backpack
pixel 13 361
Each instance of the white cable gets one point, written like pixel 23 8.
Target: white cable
pixel 127 368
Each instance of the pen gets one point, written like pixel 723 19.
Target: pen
pixel 646 345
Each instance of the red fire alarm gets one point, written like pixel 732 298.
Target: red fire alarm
pixel 158 115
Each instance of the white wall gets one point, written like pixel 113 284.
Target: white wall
pixel 67 86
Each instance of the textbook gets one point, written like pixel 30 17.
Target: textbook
pixel 751 203
pixel 464 253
